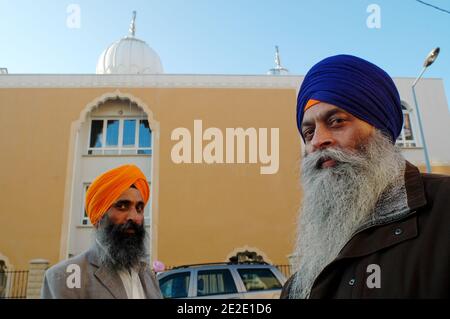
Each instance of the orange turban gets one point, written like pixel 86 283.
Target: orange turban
pixel 310 104
pixel 106 188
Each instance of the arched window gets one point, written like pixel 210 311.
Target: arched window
pixel 114 129
pixel 407 137
pixel 125 135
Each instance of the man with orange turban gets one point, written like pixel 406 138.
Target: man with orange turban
pixel 113 267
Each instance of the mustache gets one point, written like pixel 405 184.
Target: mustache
pixel 314 161
pixel 121 232
pixel 129 225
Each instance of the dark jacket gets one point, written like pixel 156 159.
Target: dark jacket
pixel 411 250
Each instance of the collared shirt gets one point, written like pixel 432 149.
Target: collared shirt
pixel 130 280
pixel 132 284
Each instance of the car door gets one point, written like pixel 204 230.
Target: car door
pixel 215 284
pixel 260 283
pixel 175 285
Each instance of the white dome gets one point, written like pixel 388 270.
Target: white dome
pixel 129 56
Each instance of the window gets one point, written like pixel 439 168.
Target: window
pixel 176 285
pixel 85 219
pixel 215 282
pixel 259 279
pixel 111 136
pixel 406 138
pixel 3 278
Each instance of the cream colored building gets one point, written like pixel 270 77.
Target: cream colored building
pixel 58 132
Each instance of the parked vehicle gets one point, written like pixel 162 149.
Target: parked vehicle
pixel 222 281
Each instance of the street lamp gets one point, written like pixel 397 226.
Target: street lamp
pixel 431 57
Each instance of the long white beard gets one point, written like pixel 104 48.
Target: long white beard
pixel 337 201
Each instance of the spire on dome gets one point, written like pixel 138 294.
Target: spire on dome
pixel 277 57
pixel 132 30
pixel 278 69
pixel 129 55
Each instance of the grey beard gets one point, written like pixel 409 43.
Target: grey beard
pixel 337 201
pixel 119 250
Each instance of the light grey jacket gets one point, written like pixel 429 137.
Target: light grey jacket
pixel 96 280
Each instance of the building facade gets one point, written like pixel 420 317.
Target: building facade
pixel 221 153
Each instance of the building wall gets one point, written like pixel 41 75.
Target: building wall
pixel 206 211
pixel 435 116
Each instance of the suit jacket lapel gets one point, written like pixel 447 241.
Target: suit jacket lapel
pixel 145 281
pixel 109 278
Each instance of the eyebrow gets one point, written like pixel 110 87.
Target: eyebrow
pixel 323 116
pixel 127 201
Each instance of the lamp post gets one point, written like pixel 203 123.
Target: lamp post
pixel 428 61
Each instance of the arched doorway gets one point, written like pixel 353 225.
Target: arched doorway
pixel 113 130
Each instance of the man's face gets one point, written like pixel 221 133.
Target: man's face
pixel 121 231
pixel 129 206
pixel 325 125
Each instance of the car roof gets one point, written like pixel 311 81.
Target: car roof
pixel 223 265
pixel 211 266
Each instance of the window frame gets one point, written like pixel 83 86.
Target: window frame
pixel 401 141
pixel 238 271
pixel 188 288
pixel 118 150
pixel 232 277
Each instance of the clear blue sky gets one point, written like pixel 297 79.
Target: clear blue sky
pixel 226 36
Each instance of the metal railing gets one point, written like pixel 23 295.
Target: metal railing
pixel 13 284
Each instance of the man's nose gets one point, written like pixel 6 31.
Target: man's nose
pixel 133 214
pixel 322 138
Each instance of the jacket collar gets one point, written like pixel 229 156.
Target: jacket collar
pixel 414 187
pixel 110 278
pixel 393 227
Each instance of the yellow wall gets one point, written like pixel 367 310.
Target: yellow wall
pixel 436 169
pixel 205 211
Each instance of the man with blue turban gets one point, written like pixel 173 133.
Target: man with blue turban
pixel 371 225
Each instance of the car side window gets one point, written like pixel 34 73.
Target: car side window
pixel 259 279
pixel 215 282
pixel 176 285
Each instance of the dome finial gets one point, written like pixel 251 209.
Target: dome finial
pixel 132 30
pixel 278 69
pixel 277 57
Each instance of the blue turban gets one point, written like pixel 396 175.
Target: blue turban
pixel 357 86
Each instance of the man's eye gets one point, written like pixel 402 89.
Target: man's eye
pixel 121 206
pixel 336 121
pixel 307 134
pixel 140 208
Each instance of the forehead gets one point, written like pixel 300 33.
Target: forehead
pixel 321 111
pixel 131 194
